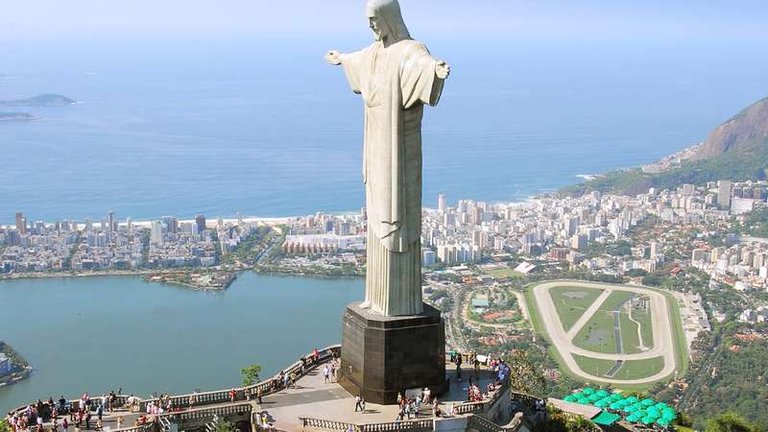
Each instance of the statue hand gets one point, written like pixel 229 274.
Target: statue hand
pixel 442 69
pixel 333 57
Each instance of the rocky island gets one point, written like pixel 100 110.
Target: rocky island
pixel 16 116
pixel 13 367
pixel 199 280
pixel 44 100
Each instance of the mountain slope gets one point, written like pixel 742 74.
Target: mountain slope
pixel 746 132
pixel 736 150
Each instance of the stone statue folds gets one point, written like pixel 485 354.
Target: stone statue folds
pixel 396 76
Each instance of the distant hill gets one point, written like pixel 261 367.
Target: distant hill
pixel 45 100
pixel 19 116
pixel 736 150
pixel 746 132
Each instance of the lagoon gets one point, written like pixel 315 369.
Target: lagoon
pixel 100 333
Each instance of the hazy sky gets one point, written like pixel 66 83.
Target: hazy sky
pixel 564 19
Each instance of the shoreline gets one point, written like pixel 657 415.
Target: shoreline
pixel 144 273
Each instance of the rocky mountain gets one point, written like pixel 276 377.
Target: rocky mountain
pixel 736 150
pixel 746 132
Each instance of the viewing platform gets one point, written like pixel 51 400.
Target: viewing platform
pixel 309 404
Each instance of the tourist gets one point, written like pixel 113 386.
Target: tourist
pixel 258 394
pixel 232 395
pixel 358 399
pixel 119 422
pixel 65 424
pixel 88 420
pixel 55 425
pixel 333 370
pixel 362 403
pixel 326 374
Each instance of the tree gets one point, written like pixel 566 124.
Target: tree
pixel 4 427
pixel 730 422
pixel 250 374
pixel 221 425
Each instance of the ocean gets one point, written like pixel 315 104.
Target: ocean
pixel 266 128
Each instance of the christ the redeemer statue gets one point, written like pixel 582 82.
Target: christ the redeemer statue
pixel 396 76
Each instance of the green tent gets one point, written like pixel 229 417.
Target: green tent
pixel 582 400
pixel 605 418
pixel 661 405
pixel 648 402
pixel 634 418
pixel 602 403
pixel 602 393
pixel 663 422
pixel 570 398
pixel 669 415
pixel 632 399
pixel 616 406
pixel 588 391
pixel 654 411
pixel 630 409
pixel 594 398
pixel 647 420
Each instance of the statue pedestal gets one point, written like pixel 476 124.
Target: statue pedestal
pixel 382 356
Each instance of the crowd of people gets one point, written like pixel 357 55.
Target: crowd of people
pixel 63 414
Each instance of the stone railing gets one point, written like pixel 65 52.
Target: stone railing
pixel 481 424
pixel 407 425
pixel 194 400
pixel 481 406
pixel 308 422
pixel 195 414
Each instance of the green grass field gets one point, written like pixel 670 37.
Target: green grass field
pixel 501 272
pixel 681 351
pixel 629 336
pixel 632 369
pixel 597 335
pixel 571 302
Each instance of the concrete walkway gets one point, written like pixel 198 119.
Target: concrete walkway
pixel 329 401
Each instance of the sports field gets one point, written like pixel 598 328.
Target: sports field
pixel 620 334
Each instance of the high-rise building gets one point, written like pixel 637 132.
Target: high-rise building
pixel 200 221
pixel 156 233
pixel 21 223
pixel 171 224
pixel 111 221
pixel 441 205
pixel 724 193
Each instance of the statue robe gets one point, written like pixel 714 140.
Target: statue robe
pixel 395 82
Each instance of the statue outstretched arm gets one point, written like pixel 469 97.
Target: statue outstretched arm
pixel 442 69
pixel 333 57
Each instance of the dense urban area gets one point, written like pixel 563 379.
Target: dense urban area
pixel 708 245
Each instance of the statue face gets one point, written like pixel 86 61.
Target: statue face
pixel 376 28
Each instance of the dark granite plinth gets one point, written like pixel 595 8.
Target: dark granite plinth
pixel 383 356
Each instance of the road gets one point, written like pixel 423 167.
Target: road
pixel 663 343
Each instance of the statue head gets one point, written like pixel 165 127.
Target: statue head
pixel 387 21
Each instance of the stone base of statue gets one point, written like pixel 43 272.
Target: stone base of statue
pixel 382 356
